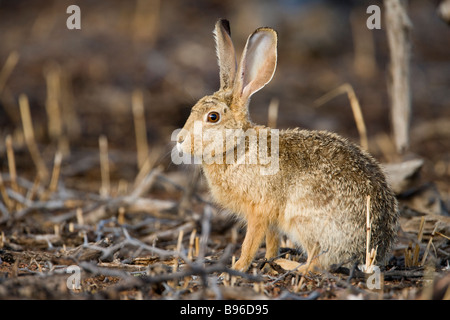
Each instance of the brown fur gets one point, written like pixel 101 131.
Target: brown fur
pixel 318 196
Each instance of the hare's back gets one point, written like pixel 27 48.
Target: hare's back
pixel 323 165
pixel 329 180
pixel 326 154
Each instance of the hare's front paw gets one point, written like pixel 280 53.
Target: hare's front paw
pixel 289 265
pixel 242 264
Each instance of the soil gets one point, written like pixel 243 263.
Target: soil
pixel 145 228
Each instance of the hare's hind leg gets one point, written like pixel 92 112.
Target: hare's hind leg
pixel 256 230
pixel 312 263
pixel 272 242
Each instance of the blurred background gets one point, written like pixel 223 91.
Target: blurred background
pixel 86 118
pixel 165 50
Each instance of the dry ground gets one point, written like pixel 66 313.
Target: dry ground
pixel 84 187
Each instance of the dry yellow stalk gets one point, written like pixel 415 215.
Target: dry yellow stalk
pixel 104 166
pixel 8 67
pixel 28 132
pixel 191 244
pixel 273 113
pixel 137 102
pixel 56 171
pixel 356 109
pixel 415 260
pixel 180 240
pixel 11 163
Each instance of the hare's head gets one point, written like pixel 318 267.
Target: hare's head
pixel 228 107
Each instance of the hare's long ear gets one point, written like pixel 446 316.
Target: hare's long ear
pixel 225 54
pixel 258 63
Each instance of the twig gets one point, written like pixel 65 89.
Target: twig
pixel 23 183
pixel 5 197
pixel 55 173
pixel 442 235
pixel 368 234
pixel 178 187
pixel 104 166
pixel 146 168
pixel 11 162
pixel 171 233
pixel 80 219
pixel 314 253
pixel 191 244
pixel 51 205
pixel 132 201
pixel 424 258
pixel 52 104
pixel 356 108
pixel 5 217
pixel 273 113
pixel 180 240
pixel 137 102
pixel 415 259
pixel 70 119
pixel 206 227
pixel 145 184
pixel 16 196
pixel 154 206
pixel 371 253
pixel 33 190
pixel 153 249
pixel 8 67
pixel 29 138
pixel 186 272
pixel 408 258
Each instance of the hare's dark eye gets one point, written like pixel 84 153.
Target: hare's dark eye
pixel 213 117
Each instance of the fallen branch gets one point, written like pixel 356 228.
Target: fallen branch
pixel 398 29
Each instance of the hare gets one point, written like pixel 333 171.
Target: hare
pixel 316 195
